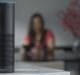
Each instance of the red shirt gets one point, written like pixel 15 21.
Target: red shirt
pixel 47 36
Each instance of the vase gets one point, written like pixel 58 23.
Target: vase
pixel 76 48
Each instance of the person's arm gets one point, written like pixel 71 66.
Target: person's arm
pixel 50 49
pixel 50 43
pixel 23 51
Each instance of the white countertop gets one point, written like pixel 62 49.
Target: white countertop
pixel 28 69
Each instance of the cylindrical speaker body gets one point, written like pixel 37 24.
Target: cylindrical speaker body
pixel 6 37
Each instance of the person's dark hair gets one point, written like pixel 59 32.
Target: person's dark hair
pixel 31 30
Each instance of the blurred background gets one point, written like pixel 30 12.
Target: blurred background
pixel 26 8
pixel 65 56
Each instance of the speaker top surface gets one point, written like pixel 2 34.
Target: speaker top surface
pixel 3 4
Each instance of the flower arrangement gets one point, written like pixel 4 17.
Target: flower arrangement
pixel 70 17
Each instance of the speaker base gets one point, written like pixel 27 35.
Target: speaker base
pixel 7 69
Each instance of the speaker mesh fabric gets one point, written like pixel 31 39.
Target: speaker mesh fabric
pixel 6 53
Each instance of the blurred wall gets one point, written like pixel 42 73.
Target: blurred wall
pixel 48 8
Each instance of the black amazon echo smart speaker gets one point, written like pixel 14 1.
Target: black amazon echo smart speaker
pixel 7 37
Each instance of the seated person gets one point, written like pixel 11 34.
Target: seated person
pixel 39 44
